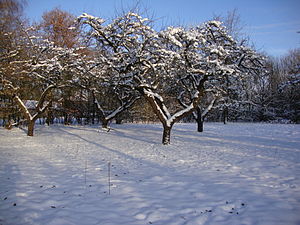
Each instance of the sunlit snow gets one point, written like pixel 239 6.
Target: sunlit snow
pixel 229 174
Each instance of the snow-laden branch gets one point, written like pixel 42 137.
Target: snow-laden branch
pixel 23 108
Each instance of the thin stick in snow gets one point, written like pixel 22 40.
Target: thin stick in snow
pixel 85 169
pixel 109 165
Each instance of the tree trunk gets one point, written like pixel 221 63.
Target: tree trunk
pixel 166 135
pixel 49 118
pixel 119 120
pixel 200 120
pixel 200 124
pixel 66 118
pixel 93 109
pixel 225 115
pixel 31 124
pixel 104 123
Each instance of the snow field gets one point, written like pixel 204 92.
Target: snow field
pixel 230 174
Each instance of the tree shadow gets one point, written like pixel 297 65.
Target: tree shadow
pixel 9 176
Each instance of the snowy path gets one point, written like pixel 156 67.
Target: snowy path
pixel 233 174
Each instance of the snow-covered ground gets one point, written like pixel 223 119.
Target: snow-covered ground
pixel 231 174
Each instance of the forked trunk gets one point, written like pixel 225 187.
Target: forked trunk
pixel 31 124
pixel 166 135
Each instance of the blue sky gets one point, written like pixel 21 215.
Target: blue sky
pixel 272 25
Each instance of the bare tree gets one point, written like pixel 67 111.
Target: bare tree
pixel 61 28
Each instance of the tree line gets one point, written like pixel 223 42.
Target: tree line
pixel 92 70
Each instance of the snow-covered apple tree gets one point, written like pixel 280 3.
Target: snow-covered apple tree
pixel 117 45
pixel 48 67
pixel 202 58
pixel 229 88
